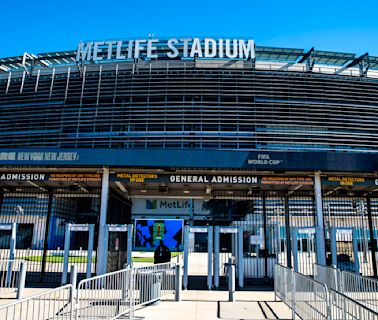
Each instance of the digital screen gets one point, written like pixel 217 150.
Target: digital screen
pixel 149 232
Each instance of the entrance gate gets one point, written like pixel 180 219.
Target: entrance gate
pixel 304 251
pixel 221 258
pixel 198 256
pixel 118 246
pixel 341 239
pixel 67 238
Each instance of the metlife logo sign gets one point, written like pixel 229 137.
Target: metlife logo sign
pixel 151 204
pixel 166 207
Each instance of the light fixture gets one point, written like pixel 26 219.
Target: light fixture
pixel 121 186
pixel 186 189
pixel 144 190
pixel 208 190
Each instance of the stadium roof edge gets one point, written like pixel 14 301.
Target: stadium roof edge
pixel 263 54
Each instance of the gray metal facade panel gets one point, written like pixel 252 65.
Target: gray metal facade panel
pixel 123 106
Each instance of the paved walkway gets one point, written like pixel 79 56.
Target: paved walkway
pixel 203 305
pixel 209 305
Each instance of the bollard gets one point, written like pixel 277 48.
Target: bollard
pixel 73 275
pixel 231 279
pixel 73 280
pixel 178 283
pixel 21 280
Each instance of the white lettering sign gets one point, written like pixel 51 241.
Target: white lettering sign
pixel 241 49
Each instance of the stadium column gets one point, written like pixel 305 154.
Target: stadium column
pixel 102 234
pixel 320 243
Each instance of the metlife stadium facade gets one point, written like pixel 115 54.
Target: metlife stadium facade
pixel 279 143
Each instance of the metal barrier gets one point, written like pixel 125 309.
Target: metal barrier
pixel 9 275
pixel 283 284
pixel 310 298
pixel 359 288
pixel 328 275
pixel 343 307
pixel 105 297
pixel 150 283
pixel 52 304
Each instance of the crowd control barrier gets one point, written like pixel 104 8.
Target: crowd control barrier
pixel 361 289
pixel 311 299
pixel 10 275
pixel 53 304
pixel 150 283
pixel 106 296
pixel 328 275
pixel 343 307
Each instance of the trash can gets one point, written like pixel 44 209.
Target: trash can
pixel 149 284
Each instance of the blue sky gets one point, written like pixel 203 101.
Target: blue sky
pixel 43 26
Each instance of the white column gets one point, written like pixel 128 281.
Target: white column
pixel 102 234
pixel 320 243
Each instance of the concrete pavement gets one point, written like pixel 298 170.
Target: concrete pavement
pixel 202 305
pixel 209 305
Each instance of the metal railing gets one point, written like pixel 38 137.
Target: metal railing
pixel 52 304
pixel 359 288
pixel 343 307
pixel 310 298
pixel 328 275
pixel 150 283
pixel 104 297
pixel 10 275
pixel 313 299
pixel 283 283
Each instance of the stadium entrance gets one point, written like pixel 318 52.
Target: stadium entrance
pixel 256 219
pixel 42 205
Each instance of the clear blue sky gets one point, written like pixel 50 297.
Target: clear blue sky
pixel 43 26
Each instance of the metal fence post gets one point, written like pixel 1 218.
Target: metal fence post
pixel 216 256
pixel 293 295
pixel 67 238
pixel 90 251
pixel 210 257
pixel 131 290
pixel 295 247
pixel 231 280
pixel 73 280
pixel 240 257
pixel 355 251
pixel 178 283
pixel 21 280
pixel 336 274
pixel 186 256
pixel 129 243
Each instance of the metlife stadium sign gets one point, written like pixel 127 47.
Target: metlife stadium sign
pixel 238 49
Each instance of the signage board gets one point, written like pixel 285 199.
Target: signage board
pixel 349 181
pixel 61 177
pixel 184 48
